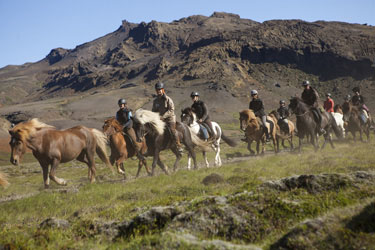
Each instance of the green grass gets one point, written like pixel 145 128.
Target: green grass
pixel 113 199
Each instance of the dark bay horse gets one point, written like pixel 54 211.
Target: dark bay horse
pixel 307 126
pixel 281 134
pixel 189 118
pixel 122 147
pixel 353 122
pixel 251 125
pixel 149 126
pixel 52 147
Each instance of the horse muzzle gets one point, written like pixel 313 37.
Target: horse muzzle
pixel 14 161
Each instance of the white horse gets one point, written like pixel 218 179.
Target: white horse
pixel 340 121
pixel 189 118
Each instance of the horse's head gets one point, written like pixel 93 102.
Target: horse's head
pixel 111 126
pixel 140 131
pixel 293 104
pixel 275 114
pixel 245 118
pixel 17 145
pixel 187 116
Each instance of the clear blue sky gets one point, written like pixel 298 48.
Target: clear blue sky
pixel 29 29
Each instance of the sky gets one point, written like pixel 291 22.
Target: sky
pixel 30 29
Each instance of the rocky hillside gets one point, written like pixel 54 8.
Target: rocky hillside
pixel 223 56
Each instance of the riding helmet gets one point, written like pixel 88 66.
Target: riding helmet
pixel 347 98
pixel 159 85
pixel 121 101
pixel 356 89
pixel 254 92
pixel 305 83
pixel 328 94
pixel 194 93
pixel 282 102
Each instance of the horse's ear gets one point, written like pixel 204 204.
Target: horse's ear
pixel 11 132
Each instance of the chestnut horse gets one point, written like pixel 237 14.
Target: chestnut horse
pixel 353 121
pixel 52 147
pixel 3 180
pixel 251 125
pixel 122 147
pixel 281 134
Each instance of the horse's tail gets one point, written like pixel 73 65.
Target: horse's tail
pixel 229 141
pixel 101 150
pixel 3 180
pixel 203 145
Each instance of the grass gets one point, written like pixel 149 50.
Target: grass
pixel 113 199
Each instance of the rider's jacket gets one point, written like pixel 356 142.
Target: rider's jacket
pixel 358 100
pixel 310 97
pixel 200 109
pixel 283 112
pixel 328 105
pixel 123 116
pixel 165 107
pixel 257 106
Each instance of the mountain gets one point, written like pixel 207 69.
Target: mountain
pixel 222 56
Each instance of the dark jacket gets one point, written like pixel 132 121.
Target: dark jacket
pixel 123 116
pixel 283 112
pixel 200 109
pixel 310 97
pixel 257 106
pixel 358 100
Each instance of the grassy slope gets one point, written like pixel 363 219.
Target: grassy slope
pixel 112 199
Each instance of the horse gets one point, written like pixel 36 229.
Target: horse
pixel 307 126
pixel 251 125
pixel 149 126
pixel 281 134
pixel 352 119
pixel 52 147
pixel 189 118
pixel 3 180
pixel 122 147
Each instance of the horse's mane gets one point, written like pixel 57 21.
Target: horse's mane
pixel 249 113
pixel 148 117
pixel 113 121
pixel 25 130
pixel 189 111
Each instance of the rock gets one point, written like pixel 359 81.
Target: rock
pixel 212 179
pixel 54 223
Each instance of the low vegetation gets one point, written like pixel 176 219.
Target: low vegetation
pixel 292 201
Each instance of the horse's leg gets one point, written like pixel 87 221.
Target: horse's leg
pixel 140 164
pixel 217 155
pixel 122 169
pixel 276 149
pixel 163 166
pixel 45 174
pixel 54 165
pixel 252 152
pixel 178 158
pixel 300 144
pixel 192 153
pixel 330 140
pixel 189 162
pixel 291 142
pixel 205 159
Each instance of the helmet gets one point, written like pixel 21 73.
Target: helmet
pixel 254 92
pixel 305 83
pixel 159 85
pixel 194 94
pixel 356 89
pixel 328 94
pixel 121 101
pixel 282 102
pixel 347 98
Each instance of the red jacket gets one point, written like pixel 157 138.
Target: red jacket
pixel 328 105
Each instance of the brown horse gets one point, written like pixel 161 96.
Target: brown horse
pixel 281 134
pixel 251 125
pixel 3 180
pixel 52 147
pixel 353 122
pixel 122 147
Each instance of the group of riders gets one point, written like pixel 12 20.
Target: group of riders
pixel 164 105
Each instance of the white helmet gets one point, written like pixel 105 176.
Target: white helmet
pixel 254 92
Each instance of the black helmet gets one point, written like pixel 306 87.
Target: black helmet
pixel 159 85
pixel 194 93
pixel 121 101
pixel 356 89
pixel 305 83
pixel 282 102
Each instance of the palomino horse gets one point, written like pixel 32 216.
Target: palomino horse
pixel 254 131
pixel 3 180
pixel 52 147
pixel 353 122
pixel 281 133
pixel 189 118
pixel 122 147
pixel 149 126
pixel 307 126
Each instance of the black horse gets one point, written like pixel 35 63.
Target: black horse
pixel 308 126
pixel 149 126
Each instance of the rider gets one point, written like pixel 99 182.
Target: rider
pixel 284 114
pixel 163 104
pixel 124 117
pixel 311 97
pixel 200 109
pixel 329 103
pixel 359 101
pixel 257 106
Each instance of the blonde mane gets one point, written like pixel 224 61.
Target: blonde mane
pixel 251 117
pixel 145 116
pixel 25 130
